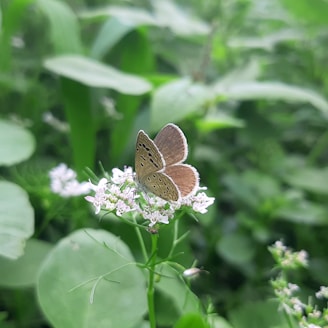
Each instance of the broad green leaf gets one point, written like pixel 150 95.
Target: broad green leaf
pixel 236 248
pixel 130 16
pixel 64 28
pixel 258 315
pixel 176 290
pixel 303 212
pixel 218 322
pixel 250 71
pixel 218 121
pixel 164 14
pixel 79 115
pixel 310 179
pixel 177 100
pixel 136 56
pixel 95 74
pixel 178 19
pixel 110 33
pixel 91 279
pixel 16 220
pixel 23 271
pixel 268 41
pixel 175 297
pixel 192 320
pixel 16 143
pixel 270 90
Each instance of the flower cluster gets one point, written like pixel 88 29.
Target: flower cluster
pixel 63 182
pixel 120 194
pixel 307 315
pixel 286 259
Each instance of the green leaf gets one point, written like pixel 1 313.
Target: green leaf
pixel 96 74
pixel 310 179
pixel 165 14
pixel 303 212
pixel 258 315
pixel 16 143
pixel 191 320
pixel 218 121
pixel 267 41
pixel 64 28
pixel 16 220
pixel 130 16
pixel 23 271
pixel 176 100
pixel 270 90
pixel 236 248
pixel 79 115
pixel 218 322
pixel 136 56
pixel 175 289
pixel 110 34
pixel 91 279
pixel 178 19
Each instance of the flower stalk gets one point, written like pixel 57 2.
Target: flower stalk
pixel 151 281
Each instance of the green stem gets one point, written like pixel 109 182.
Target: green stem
pixel 288 319
pixel 175 237
pixel 151 289
pixel 287 316
pixel 141 241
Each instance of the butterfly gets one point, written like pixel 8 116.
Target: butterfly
pixel 159 164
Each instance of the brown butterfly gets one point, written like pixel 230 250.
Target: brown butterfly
pixel 158 164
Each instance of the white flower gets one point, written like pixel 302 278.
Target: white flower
pixel 99 199
pixel 322 293
pixel 302 257
pixel 63 181
pixel 200 202
pixel 120 177
pixel 110 197
pixel 280 246
pixel 122 195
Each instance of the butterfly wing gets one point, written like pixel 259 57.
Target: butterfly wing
pixel 148 158
pixel 161 185
pixel 185 177
pixel 172 144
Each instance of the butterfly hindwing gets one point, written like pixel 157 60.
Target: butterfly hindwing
pixel 185 178
pixel 161 185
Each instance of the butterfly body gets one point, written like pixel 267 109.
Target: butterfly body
pixel 159 164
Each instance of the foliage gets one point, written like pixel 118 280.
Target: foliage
pixel 246 81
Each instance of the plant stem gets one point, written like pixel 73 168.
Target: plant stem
pixel 141 241
pixel 175 237
pixel 151 290
pixel 288 319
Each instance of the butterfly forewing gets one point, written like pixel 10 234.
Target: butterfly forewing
pixel 161 185
pixel 148 159
pixel 185 177
pixel 172 144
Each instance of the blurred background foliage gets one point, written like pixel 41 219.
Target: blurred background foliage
pixel 246 80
